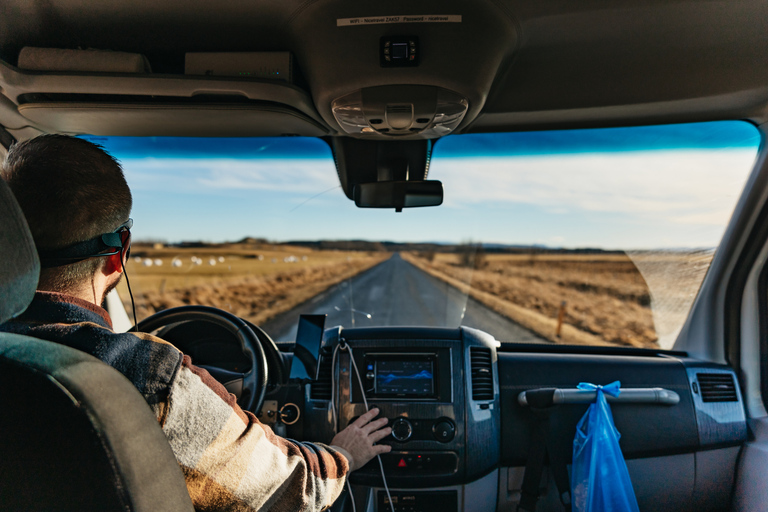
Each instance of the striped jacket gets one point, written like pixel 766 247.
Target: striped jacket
pixel 230 460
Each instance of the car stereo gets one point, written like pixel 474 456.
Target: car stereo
pixel 404 376
pixel 400 375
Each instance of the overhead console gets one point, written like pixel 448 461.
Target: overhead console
pixel 412 111
pixel 402 62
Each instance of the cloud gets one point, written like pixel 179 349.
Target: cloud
pixel 638 200
pixel 684 187
pixel 297 176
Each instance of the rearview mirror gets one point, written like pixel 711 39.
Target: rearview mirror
pixel 399 194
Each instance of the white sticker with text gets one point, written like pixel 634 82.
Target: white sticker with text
pixel 383 20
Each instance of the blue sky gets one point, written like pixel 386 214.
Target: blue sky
pixel 621 188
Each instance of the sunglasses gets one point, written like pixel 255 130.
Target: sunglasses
pixel 116 242
pixel 119 239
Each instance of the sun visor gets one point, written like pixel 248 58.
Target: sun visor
pixel 133 104
pixel 171 120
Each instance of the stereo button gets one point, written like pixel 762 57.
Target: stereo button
pixel 444 431
pixel 402 430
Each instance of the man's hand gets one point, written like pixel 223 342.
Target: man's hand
pixel 358 438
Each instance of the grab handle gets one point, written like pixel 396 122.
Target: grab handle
pixel 546 397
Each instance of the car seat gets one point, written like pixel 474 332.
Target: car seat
pixel 74 432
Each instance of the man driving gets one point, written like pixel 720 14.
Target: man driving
pixel 77 204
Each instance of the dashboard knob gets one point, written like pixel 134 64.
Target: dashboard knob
pixel 444 431
pixel 402 430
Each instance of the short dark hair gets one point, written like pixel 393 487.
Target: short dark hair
pixel 70 190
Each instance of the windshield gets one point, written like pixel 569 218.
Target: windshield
pixel 598 237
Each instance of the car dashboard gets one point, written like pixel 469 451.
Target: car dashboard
pixel 462 432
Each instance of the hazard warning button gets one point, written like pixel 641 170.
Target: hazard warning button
pixel 421 463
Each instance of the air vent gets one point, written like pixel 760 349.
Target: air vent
pixel 717 387
pixel 482 374
pixel 321 388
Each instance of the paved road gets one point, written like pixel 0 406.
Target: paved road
pixel 397 293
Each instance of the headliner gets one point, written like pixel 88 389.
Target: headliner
pixel 523 65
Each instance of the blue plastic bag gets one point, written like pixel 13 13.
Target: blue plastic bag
pixel 599 478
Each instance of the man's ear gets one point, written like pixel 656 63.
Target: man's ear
pixel 114 264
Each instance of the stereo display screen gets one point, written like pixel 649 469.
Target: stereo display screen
pixel 405 377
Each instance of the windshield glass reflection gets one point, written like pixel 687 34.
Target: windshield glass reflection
pixel 579 237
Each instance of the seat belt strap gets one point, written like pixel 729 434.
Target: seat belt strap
pixel 534 466
pixel 559 473
pixel 543 447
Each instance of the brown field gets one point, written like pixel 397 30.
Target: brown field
pixel 253 281
pixel 606 300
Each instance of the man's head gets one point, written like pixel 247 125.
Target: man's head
pixel 70 191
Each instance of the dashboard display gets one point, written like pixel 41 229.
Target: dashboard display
pixel 405 378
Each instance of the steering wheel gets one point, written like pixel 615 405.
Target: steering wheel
pixel 254 381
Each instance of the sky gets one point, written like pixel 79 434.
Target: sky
pixel 622 188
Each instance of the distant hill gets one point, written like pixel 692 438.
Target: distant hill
pixel 364 245
pixel 253 243
pixel 251 240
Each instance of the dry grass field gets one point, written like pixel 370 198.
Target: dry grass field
pixel 253 281
pixel 605 298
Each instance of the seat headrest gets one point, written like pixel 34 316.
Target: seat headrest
pixel 75 435
pixel 19 264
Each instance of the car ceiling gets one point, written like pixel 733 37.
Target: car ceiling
pixel 522 64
